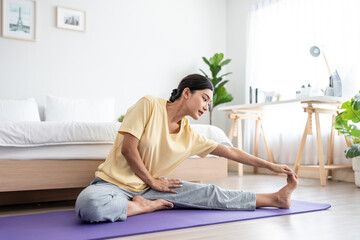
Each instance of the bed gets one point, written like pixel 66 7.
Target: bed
pixel 51 161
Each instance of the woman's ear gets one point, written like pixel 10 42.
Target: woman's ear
pixel 186 92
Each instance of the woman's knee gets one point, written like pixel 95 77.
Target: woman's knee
pixel 95 205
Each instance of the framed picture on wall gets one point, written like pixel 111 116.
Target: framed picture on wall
pixel 71 19
pixel 19 19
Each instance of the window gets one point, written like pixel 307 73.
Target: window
pixel 280 35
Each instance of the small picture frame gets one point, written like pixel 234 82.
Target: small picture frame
pixel 268 96
pixel 70 19
pixel 19 19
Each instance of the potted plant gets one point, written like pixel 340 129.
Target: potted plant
pixel 347 123
pixel 220 94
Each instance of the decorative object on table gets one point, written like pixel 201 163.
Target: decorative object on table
pixel 336 81
pixel 250 95
pixel 278 95
pixel 304 91
pixel 347 123
pixel 256 95
pixel 221 96
pixel 268 97
pixel 329 91
pixel 309 90
pixel 334 88
pixel 71 19
pixel 121 118
pixel 19 19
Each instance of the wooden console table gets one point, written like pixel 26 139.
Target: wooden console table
pixel 316 107
pixel 256 112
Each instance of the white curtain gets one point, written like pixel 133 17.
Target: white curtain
pixel 280 34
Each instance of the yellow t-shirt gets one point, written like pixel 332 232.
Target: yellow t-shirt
pixel 160 151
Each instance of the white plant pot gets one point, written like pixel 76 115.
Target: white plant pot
pixel 356 168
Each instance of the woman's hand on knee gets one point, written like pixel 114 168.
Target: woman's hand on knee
pixel 164 184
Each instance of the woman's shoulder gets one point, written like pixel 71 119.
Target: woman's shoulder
pixel 152 99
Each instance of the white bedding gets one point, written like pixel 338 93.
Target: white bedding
pixel 71 140
pixel 34 134
pixel 60 152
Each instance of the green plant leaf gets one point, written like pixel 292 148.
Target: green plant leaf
pixel 356 102
pixel 222 84
pixel 227 98
pixel 346 128
pixel 121 118
pixel 346 105
pixel 350 112
pixel 225 62
pixel 226 74
pixel 206 61
pixel 215 82
pixel 219 93
pixel 222 96
pixel 216 59
pixel 204 73
pixel 214 70
pixel 353 151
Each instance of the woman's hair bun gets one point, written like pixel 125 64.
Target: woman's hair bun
pixel 174 92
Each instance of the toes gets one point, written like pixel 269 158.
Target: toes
pixel 168 204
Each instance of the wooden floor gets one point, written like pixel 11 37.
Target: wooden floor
pixel 341 221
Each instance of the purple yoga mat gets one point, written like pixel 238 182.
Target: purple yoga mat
pixel 65 224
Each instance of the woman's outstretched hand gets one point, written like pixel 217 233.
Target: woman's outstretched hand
pixel 164 184
pixel 278 168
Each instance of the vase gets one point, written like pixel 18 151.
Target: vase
pixel 356 168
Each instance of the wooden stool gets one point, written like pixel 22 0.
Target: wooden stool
pixel 237 117
pixel 325 170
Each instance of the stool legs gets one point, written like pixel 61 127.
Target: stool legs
pixel 239 145
pixel 323 172
pixel 236 123
pixel 302 144
pixel 259 129
pixel 331 149
pixel 256 144
pixel 236 130
pixel 271 157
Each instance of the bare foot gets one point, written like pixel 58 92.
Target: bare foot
pixel 140 205
pixel 283 196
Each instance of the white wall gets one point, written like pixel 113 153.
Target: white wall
pixel 129 49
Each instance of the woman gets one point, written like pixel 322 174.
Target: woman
pixel 154 138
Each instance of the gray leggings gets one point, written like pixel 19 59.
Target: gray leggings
pixel 103 201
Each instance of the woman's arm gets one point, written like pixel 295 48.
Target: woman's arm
pixel 131 153
pixel 248 159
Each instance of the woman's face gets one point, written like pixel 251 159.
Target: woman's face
pixel 198 102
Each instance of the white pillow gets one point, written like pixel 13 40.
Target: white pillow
pixel 19 110
pixel 79 110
